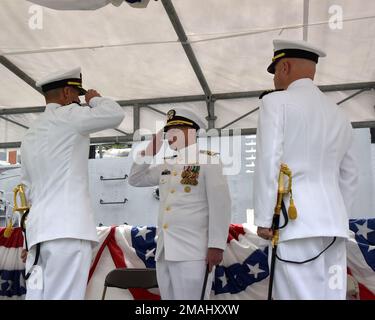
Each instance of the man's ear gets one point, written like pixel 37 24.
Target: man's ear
pixel 286 67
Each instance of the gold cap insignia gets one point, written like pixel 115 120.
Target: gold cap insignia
pixel 171 113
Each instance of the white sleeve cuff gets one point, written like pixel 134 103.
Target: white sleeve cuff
pixel 219 244
pixel 263 223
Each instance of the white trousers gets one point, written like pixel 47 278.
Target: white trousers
pixel 182 280
pixel 62 270
pixel 321 279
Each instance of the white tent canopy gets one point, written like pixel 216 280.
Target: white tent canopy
pixel 210 55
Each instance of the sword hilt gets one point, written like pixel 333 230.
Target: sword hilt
pixel 24 207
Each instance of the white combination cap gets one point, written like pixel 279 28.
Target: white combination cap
pixel 181 117
pixel 62 78
pixel 294 49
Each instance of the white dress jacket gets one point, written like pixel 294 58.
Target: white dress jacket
pixel 54 155
pixel 302 128
pixel 192 218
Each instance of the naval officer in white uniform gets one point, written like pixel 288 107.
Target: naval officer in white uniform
pixel 54 155
pixel 195 208
pixel 301 127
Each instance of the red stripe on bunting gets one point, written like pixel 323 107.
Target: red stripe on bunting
pixel 235 230
pixel 364 292
pixel 99 254
pixel 14 241
pixel 119 261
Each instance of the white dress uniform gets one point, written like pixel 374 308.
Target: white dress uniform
pixel 192 218
pixel 302 128
pixel 55 171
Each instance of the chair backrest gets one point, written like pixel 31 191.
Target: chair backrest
pixel 125 278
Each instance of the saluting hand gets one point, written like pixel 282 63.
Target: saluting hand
pixel 155 144
pixel 91 93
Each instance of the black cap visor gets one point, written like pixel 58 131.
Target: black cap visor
pixel 291 53
pixel 178 121
pixel 75 83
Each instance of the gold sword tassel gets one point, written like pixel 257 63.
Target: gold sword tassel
pixel 292 210
pixel 281 192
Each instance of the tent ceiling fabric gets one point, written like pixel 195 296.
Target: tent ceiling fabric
pixel 14 92
pixel 122 73
pixel 129 53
